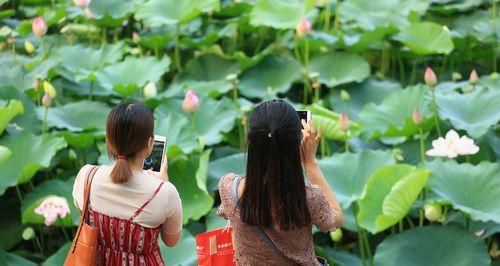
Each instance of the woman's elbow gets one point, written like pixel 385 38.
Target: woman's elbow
pixel 171 240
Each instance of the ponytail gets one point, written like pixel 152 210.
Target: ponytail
pixel 121 173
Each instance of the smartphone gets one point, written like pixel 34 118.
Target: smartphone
pixel 157 156
pixel 306 115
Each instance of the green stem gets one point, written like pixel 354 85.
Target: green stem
pixel 156 51
pixel 401 69
pixel 434 110
pixel 367 246
pixel 262 33
pixel 176 48
pixel 91 91
pixel 193 121
pixel 234 40
pixel 44 120
pixel 410 222
pixel 296 51
pixel 64 230
pixel 115 34
pixel 328 11
pixel 317 95
pixel 104 35
pixel 494 45
pixel 360 241
pixel 400 226
pixel 306 53
pixel 37 244
pixel 421 218
pixel 336 22
pixel 467 158
pixel 42 45
pixel 422 146
pixel 413 71
pixel 19 194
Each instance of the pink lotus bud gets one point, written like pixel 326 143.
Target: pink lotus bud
pixel 191 102
pixel 88 13
pixel 81 3
pixel 39 27
pixel 473 77
pixel 52 208
pixel 417 119
pixel 430 77
pixel 46 100
pixel 135 37
pixel 304 27
pixel 344 123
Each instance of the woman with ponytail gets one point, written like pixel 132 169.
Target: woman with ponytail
pixel 130 207
pixel 272 209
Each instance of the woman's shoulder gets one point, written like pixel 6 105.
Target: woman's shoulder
pixel 226 183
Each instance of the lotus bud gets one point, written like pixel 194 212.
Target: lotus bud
pixel 313 75
pixel 29 47
pixel 473 77
pixel 10 40
pixel 150 90
pixel 416 117
pixel 28 233
pixel 336 235
pixel 52 208
pixel 232 77
pixel 88 13
pixel 344 123
pixel 39 27
pixel 344 95
pixel 433 212
pixel 135 37
pixel 303 28
pixel 430 77
pixel 455 76
pixel 316 85
pixel 48 88
pixel 38 84
pixel 46 100
pixel 81 3
pixel 467 89
pixel 135 51
pixel 493 76
pixel 72 154
pixel 191 102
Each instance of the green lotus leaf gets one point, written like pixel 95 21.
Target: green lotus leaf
pixel 370 91
pixel 329 122
pixel 392 117
pixel 189 177
pixel 234 163
pixel 370 15
pixel 426 38
pixel 11 228
pixel 271 76
pixel 82 61
pixel 447 6
pixel 358 41
pixel 59 257
pixel 5 153
pixel 80 140
pixel 432 245
pixel 11 259
pixel 172 125
pixel 207 74
pixel 169 12
pixel 462 111
pixel 111 9
pixel 279 14
pixel 77 116
pixel 478 24
pixel 8 111
pixel 213 118
pixel 20 71
pixel 347 173
pixel 214 221
pixel 53 187
pixel 28 120
pixel 337 68
pixel 130 75
pixel 29 154
pixel 489 228
pixel 388 196
pixel 472 189
pixel 183 254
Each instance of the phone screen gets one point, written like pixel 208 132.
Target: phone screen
pixel 153 162
pixel 304 115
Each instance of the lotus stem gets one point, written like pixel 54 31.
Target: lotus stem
pixel 367 246
pixel 413 71
pixel 91 90
pixel 234 40
pixel 104 35
pixel 176 48
pixel 297 52
pixel 336 22
pixel 42 45
pixel 400 226
pixel 421 218
pixel 422 146
pixel 37 244
pixel 410 222
pixel 361 246
pixel 193 121
pixel 63 229
pixel 306 54
pixel 467 158
pixel 401 69
pixel 328 12
pixel 19 194
pixel 44 119
pixel 493 19
pixel 434 110
pixel 115 34
pixel 317 94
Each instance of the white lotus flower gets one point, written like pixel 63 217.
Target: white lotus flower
pixel 452 145
pixel 52 208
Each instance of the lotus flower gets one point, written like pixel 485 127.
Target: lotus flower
pixel 416 117
pixel 29 47
pixel 344 95
pixel 430 77
pixel 52 208
pixel 135 37
pixel 473 77
pixel 191 102
pixel 48 88
pixel 81 3
pixel 344 123
pixel 39 27
pixel 433 212
pixel 150 90
pixel 303 28
pixel 455 76
pixel 88 13
pixel 46 100
pixel 452 145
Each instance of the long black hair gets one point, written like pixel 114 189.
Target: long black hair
pixel 274 193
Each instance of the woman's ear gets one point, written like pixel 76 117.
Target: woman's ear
pixel 151 143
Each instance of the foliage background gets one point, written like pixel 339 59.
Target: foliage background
pixel 363 58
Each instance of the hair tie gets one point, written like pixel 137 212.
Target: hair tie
pixel 121 157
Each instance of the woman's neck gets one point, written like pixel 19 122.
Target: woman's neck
pixel 136 164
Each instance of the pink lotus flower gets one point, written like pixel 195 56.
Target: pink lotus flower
pixel 191 102
pixel 81 3
pixel 135 37
pixel 473 77
pixel 344 123
pixel 303 28
pixel 52 208
pixel 39 27
pixel 452 145
pixel 416 117
pixel 430 77
pixel 46 100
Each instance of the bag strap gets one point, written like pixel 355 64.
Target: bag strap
pixel 84 216
pixel 138 211
pixel 259 229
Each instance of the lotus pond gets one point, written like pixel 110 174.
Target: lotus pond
pixel 406 91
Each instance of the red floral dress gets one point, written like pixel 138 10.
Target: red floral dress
pixel 125 242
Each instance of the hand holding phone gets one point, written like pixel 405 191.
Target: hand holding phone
pixel 304 115
pixel 156 162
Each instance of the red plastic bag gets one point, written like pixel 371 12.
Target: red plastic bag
pixel 215 248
